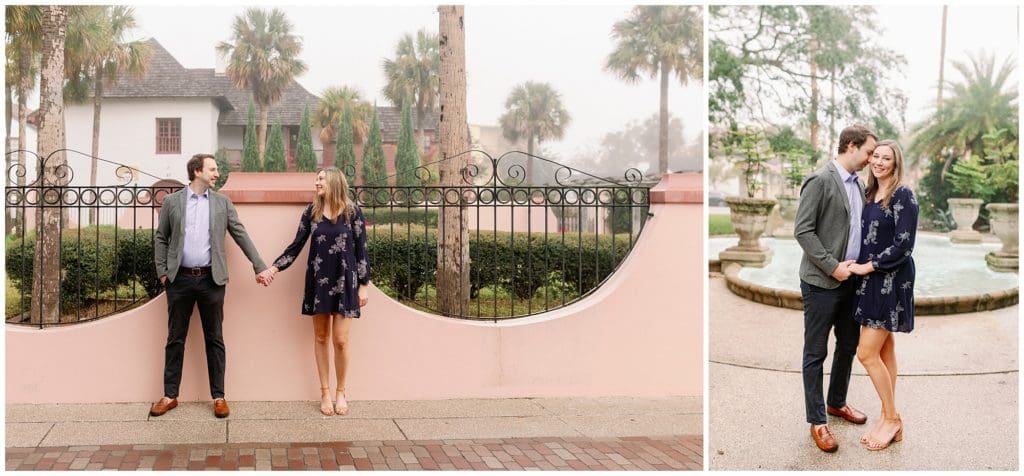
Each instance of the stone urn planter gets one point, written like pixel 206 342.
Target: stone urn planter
pixel 965 212
pixel 1004 219
pixel 749 217
pixel 787 209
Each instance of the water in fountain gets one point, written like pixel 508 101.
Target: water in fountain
pixel 943 268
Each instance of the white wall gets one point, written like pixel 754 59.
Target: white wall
pixel 128 136
pixel 231 137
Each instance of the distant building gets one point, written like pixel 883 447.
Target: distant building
pixel 157 122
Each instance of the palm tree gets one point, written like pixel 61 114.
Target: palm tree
pixel 413 75
pixel 263 56
pixel 985 100
pixel 106 58
pixel 453 265
pixel 534 111
pixel 25 35
pixel 46 279
pixel 659 40
pixel 327 116
pixel 942 59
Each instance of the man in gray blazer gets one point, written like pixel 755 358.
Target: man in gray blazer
pixel 190 260
pixel 828 229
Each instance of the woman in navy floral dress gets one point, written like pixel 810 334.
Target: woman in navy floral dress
pixel 885 298
pixel 337 276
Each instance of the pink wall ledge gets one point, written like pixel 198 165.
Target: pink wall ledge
pixel 638 335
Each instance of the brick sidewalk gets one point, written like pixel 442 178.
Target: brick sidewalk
pixel 630 453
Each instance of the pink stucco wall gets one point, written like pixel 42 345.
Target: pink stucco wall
pixel 639 335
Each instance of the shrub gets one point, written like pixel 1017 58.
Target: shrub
pixel 520 264
pixel 87 268
pixel 401 216
pixel 90 263
pixel 273 156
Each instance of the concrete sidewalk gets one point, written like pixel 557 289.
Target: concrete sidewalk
pixel 957 393
pixel 621 425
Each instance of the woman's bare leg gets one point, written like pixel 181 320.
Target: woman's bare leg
pixel 341 326
pixel 869 352
pixel 321 331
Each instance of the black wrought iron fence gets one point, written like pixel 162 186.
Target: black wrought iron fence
pixel 77 253
pixel 525 235
pixel 537 239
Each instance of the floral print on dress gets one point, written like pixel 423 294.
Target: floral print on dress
pixel 872 234
pixel 335 249
pixel 885 297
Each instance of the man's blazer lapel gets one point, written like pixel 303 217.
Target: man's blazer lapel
pixel 839 183
pixel 213 213
pixel 183 203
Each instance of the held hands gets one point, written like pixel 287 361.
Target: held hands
pixel 842 271
pixel 266 276
pixel 850 267
pixel 862 269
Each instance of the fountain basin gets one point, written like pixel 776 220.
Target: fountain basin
pixel 951 278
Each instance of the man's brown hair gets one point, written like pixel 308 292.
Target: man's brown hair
pixel 856 135
pixel 195 164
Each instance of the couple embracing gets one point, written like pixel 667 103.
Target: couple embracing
pixel 190 261
pixel 856 277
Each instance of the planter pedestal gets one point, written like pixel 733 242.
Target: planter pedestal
pixel 965 212
pixel 1004 219
pixel 787 210
pixel 749 217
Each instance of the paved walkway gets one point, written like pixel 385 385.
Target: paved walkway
pixel 957 393
pixel 594 433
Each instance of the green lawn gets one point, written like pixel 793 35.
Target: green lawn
pixel 720 225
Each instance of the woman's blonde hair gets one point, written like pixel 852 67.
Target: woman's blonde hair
pixel 897 175
pixel 335 195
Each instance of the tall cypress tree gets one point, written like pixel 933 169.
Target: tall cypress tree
pixel 305 159
pixel 345 150
pixel 222 166
pixel 250 151
pixel 274 155
pixel 375 170
pixel 407 157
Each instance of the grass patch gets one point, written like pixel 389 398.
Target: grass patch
pixel 107 303
pixel 494 301
pixel 720 225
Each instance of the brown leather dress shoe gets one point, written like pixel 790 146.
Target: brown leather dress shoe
pixel 220 408
pixel 824 439
pixel 848 413
pixel 163 406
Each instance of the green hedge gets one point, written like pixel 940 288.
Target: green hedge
pixel 524 265
pixel 89 266
pixel 401 216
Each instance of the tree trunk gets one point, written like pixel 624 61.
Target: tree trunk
pixel 24 86
pixel 942 61
pixel 330 148
pixel 261 131
pixel 9 222
pixel 8 116
pixel 421 133
pixel 453 236
pixel 97 104
pixel 815 93
pixel 833 112
pixel 950 159
pixel 663 125
pixel 46 264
